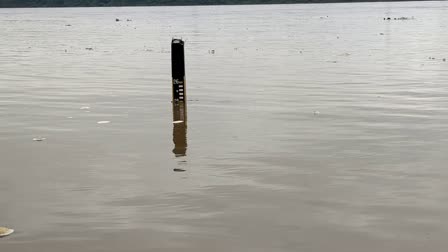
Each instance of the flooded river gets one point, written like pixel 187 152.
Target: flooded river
pixel 319 127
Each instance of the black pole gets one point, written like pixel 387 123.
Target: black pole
pixel 178 70
pixel 179 100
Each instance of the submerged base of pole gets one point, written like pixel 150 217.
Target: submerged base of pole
pixel 180 129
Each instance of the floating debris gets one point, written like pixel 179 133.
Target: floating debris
pixel 5 231
pixel 117 20
pixel 69 117
pixel 128 20
pixel 400 18
pixel 381 33
pixel 39 139
pixel 103 122
pixel 84 108
pixel 89 48
pixel 443 59
pixel 316 113
pixel 179 170
pixel 68 25
pixel 176 122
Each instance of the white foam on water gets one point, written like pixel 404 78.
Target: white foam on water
pixel 5 231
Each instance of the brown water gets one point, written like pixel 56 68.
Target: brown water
pixel 310 128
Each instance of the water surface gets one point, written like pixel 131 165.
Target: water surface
pixel 310 128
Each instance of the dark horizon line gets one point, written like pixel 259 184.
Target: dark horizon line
pixel 254 2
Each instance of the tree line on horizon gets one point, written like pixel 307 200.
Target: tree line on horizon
pixel 92 3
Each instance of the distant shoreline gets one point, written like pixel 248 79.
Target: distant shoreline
pixel 142 3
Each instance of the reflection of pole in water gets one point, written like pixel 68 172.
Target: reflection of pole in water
pixel 178 100
pixel 180 129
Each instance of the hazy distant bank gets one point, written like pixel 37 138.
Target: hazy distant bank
pixel 105 3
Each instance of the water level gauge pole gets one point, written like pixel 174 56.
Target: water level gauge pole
pixel 179 98
pixel 178 70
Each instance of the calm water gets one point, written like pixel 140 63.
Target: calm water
pixel 310 128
